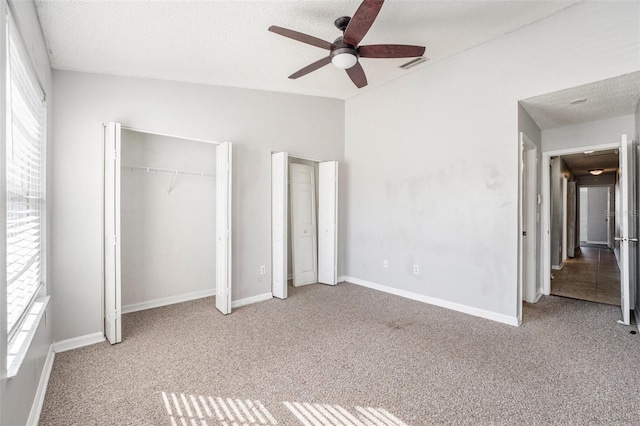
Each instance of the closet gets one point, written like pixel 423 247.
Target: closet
pixel 167 221
pixel 304 222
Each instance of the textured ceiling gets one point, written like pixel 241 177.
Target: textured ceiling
pixel 227 43
pixel 580 164
pixel 609 98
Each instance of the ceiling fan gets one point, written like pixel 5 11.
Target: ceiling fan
pixel 345 51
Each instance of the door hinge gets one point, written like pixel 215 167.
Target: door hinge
pixel 228 233
pixel 115 240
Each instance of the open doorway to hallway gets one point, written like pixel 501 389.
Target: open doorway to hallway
pixel 585 264
pixel 574 121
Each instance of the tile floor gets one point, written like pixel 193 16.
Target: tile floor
pixel 592 275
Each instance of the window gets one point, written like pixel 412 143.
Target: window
pixel 25 167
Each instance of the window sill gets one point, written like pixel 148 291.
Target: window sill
pixel 19 346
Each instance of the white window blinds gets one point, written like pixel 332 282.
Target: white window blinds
pixel 26 128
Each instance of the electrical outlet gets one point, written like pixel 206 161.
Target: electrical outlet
pixel 416 269
pixel 385 264
pixel 263 270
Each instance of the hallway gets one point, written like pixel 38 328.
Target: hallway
pixel 592 275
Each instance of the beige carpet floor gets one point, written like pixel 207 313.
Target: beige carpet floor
pixel 347 355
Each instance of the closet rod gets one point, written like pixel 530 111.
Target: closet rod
pixel 168 171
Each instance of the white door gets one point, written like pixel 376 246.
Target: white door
pixel 303 224
pixel 112 287
pixel 279 185
pixel 565 193
pixel 223 227
pixel 328 223
pixel 628 238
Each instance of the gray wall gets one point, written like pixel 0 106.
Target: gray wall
pixel 17 395
pixel 168 238
pixel 432 157
pixel 594 133
pixel 256 122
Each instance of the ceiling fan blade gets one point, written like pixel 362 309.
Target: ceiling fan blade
pixel 356 74
pixel 311 67
pixel 304 38
pixel 362 21
pixel 390 51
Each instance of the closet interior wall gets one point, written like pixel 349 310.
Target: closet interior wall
pixel 167 218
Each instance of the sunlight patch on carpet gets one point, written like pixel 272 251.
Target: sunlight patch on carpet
pixel 335 415
pixel 199 410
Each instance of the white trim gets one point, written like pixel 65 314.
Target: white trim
pixel 538 295
pixel 505 319
pixel 38 400
pixel 557 267
pixel 252 299
pixel 78 342
pixel 546 205
pixel 164 301
pixel 19 353
pixel 596 242
pixel 149 132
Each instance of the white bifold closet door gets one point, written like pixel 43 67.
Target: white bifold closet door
pixel 223 227
pixel 328 223
pixel 112 253
pixel 279 217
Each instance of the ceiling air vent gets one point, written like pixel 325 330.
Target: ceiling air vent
pixel 414 62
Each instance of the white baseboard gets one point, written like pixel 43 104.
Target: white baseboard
pixel 289 277
pixel 38 400
pixel 505 319
pixel 78 342
pixel 250 300
pixel 538 296
pixel 164 301
pixel 558 267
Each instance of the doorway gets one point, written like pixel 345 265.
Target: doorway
pixel 304 222
pixel 166 218
pixel 595 265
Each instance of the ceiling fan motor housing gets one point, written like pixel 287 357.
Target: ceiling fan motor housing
pixel 342 22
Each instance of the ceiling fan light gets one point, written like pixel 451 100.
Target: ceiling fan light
pixel 344 60
pixel 596 172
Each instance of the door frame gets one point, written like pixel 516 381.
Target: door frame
pixel 274 267
pixel 527 203
pixel 546 205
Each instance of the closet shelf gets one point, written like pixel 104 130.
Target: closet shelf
pixel 168 171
